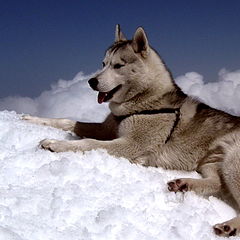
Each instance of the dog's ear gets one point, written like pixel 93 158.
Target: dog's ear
pixel 140 42
pixel 119 36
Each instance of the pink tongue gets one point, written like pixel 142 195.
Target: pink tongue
pixel 101 97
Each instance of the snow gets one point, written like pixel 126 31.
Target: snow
pixel 92 195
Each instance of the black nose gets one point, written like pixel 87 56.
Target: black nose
pixel 93 82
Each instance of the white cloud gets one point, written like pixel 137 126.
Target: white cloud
pixel 71 99
pixel 74 99
pixel 223 94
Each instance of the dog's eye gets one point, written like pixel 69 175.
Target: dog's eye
pixel 103 64
pixel 117 66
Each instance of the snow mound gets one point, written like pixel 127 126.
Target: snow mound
pixel 91 196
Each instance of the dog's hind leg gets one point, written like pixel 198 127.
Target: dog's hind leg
pixel 231 227
pixel 231 177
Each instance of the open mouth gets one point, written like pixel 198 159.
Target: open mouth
pixel 105 96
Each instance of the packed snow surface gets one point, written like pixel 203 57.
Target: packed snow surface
pixel 92 195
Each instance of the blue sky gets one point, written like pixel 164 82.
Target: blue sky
pixel 42 41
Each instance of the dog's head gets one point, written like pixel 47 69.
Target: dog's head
pixel 125 68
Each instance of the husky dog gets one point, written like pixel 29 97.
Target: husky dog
pixel 153 123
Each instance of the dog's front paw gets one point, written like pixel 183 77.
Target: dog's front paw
pixel 26 117
pixel 53 145
pixel 179 185
pixel 31 119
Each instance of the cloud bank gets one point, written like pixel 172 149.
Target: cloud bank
pixel 70 99
pixel 74 99
pixel 224 94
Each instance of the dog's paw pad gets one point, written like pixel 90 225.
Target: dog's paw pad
pixel 224 230
pixel 178 185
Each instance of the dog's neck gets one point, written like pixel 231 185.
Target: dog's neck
pixel 173 98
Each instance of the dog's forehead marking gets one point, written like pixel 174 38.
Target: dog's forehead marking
pixel 121 51
pixel 116 47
